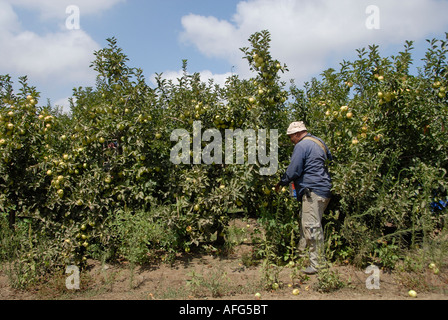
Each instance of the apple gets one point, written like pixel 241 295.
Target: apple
pixel 63 137
pixel 10 126
pixel 79 202
pixel 432 266
pixel 355 141
pixel 380 95
pixel 436 84
pixel 252 100
pixel 60 193
pixel 258 296
pixel 389 96
pixel 349 115
pixel 377 138
pixel 101 140
pixel 275 286
pixel 2 142
pixel 158 135
pixel 295 292
pixel 344 108
pixel 197 207
pixel 412 294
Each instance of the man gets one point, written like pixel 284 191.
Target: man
pixel 312 183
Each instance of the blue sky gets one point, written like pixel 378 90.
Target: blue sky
pixel 308 35
pixel 148 31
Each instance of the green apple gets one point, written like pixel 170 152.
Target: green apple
pixel 412 293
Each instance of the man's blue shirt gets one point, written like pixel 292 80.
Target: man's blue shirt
pixel 308 168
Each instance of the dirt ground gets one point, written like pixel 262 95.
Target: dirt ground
pixel 201 276
pixel 195 277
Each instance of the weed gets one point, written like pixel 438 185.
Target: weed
pixel 214 283
pixel 328 281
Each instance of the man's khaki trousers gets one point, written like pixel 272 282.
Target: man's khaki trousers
pixel 311 231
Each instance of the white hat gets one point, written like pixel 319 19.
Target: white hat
pixel 296 127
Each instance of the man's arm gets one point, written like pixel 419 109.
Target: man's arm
pixel 295 168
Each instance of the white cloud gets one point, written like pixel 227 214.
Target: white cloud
pixel 306 33
pixel 56 59
pixel 63 103
pixel 205 75
pixel 62 54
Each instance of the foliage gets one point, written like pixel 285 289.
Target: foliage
pixel 386 128
pixel 101 180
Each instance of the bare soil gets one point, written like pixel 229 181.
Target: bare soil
pixel 202 276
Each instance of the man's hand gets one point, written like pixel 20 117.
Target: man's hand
pixel 277 187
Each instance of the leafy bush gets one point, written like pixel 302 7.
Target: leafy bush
pixel 101 181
